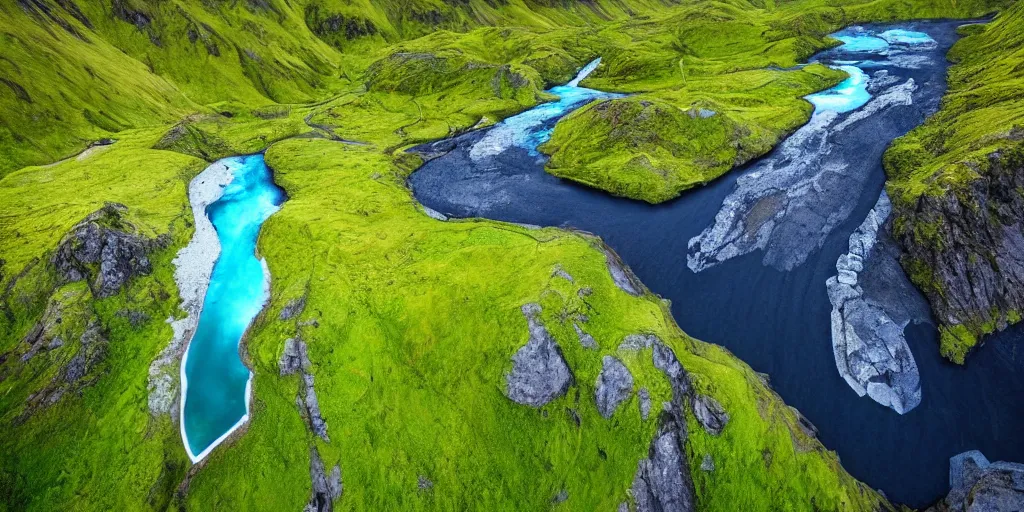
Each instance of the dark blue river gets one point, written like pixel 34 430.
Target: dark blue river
pixel 759 287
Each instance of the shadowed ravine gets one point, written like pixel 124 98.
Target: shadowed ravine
pixel 745 261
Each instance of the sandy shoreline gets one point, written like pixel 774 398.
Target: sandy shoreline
pixel 193 268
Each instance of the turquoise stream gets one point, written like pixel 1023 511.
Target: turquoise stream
pixel 214 378
pixel 852 93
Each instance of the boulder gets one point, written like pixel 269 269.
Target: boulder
pixel 294 357
pixel 977 485
pixel 586 340
pixel 622 275
pixel 638 341
pixel 710 414
pixel 539 372
pixel 614 385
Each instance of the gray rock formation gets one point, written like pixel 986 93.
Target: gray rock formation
pixel 77 372
pixel 586 340
pixel 976 251
pixel 644 403
pixel 327 487
pixel 707 463
pixel 560 272
pixel 308 403
pixel 622 275
pixel 561 497
pixel 638 342
pixel 539 372
pixel 295 359
pixel 666 361
pixel 105 249
pixel 710 414
pixel 977 485
pixel 870 350
pixel 662 482
pixel 424 484
pixel 614 385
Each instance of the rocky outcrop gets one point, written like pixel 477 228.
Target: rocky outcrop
pixel 68 345
pixel 622 275
pixel 105 250
pixel 293 308
pixel 977 485
pixel 662 482
pixel 638 341
pixel 539 372
pixel 295 359
pixel 710 414
pixel 586 340
pixel 965 250
pixel 644 403
pixel 614 385
pixel 872 303
pixel 666 361
pixel 327 487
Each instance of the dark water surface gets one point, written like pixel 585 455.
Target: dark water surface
pixel 768 304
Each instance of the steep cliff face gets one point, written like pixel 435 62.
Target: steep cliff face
pixel 956 184
pixel 965 249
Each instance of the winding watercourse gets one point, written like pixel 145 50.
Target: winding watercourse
pixel 764 259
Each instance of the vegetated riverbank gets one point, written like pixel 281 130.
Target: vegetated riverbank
pixel 124 456
pixel 953 181
pixel 778 288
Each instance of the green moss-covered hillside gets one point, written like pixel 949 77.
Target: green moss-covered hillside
pixel 647 147
pixel 109 108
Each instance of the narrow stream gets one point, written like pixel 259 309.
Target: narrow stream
pixel 745 261
pixel 215 381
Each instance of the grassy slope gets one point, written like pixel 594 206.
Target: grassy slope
pixel 50 78
pixel 717 57
pixel 983 112
pixel 122 458
pixel 125 459
pixel 417 321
